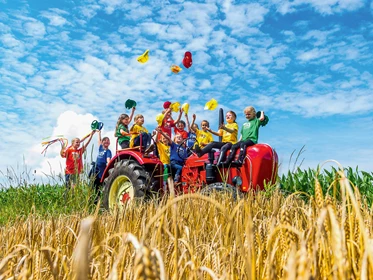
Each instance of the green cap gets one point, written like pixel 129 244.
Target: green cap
pixel 130 103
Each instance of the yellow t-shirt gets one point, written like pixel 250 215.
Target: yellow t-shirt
pixel 135 131
pixel 164 152
pixel 227 136
pixel 203 137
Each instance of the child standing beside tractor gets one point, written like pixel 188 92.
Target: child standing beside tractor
pixel 163 148
pixel 74 160
pixel 103 158
pixel 249 135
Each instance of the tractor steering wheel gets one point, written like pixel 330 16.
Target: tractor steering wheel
pixel 188 149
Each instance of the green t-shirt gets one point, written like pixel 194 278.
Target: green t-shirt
pixel 250 129
pixel 122 138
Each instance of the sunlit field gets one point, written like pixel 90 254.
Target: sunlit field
pixel 309 225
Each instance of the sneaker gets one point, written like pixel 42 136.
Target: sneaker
pixel 198 151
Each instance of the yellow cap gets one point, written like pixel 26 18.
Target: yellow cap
pixel 185 108
pixel 211 105
pixel 144 57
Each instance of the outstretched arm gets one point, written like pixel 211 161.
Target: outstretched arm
pixel 99 138
pixel 187 121
pixel 191 126
pixel 89 140
pixel 132 113
pixel 164 134
pixel 213 132
pixel 179 117
pixel 262 116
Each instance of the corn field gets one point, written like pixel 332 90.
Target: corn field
pixel 194 236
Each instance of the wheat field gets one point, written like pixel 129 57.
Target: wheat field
pixel 194 236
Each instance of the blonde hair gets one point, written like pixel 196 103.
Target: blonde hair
pixel 135 120
pixel 249 109
pixel 177 135
pixel 74 140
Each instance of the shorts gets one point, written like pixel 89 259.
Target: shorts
pixel 71 179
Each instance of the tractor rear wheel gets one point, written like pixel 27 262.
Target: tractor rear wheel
pixel 127 181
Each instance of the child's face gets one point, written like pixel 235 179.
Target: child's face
pixel 168 115
pixel 178 139
pixel 230 117
pixel 195 126
pixel 126 121
pixel 76 144
pixel 106 143
pixel 164 140
pixel 249 115
pixel 180 126
pixel 204 126
pixel 140 120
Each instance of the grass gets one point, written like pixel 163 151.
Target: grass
pixel 43 200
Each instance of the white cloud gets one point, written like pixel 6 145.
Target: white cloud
pixel 240 17
pixel 54 19
pixel 34 28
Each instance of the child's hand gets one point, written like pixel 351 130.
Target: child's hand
pixel 133 109
pixel 261 116
pixel 222 126
pixel 194 116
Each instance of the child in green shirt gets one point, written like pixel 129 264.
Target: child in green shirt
pixel 249 135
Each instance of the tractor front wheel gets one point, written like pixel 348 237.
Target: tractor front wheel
pixel 127 181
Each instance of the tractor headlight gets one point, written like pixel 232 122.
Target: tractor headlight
pixel 237 181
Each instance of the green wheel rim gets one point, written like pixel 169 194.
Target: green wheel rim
pixel 121 191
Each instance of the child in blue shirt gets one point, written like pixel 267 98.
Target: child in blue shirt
pixel 103 157
pixel 178 154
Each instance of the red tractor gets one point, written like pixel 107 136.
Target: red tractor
pixel 131 175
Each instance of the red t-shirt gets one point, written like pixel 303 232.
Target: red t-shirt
pixel 183 132
pixel 167 125
pixel 74 161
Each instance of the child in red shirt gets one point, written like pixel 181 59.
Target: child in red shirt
pixel 180 129
pixel 74 160
pixel 168 122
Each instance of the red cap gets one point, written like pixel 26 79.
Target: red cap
pixel 167 104
pixel 187 61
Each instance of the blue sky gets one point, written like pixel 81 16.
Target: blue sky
pixel 307 64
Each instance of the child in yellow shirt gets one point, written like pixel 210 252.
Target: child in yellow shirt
pixel 228 132
pixel 203 135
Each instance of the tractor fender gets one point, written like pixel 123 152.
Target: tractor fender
pixel 135 155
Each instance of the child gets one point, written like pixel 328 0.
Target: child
pixel 249 135
pixel 103 157
pixel 163 148
pixel 203 136
pixel 180 129
pixel 168 122
pixel 229 137
pixel 74 160
pixel 121 129
pixel 178 154
pixel 191 135
pixel 140 133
